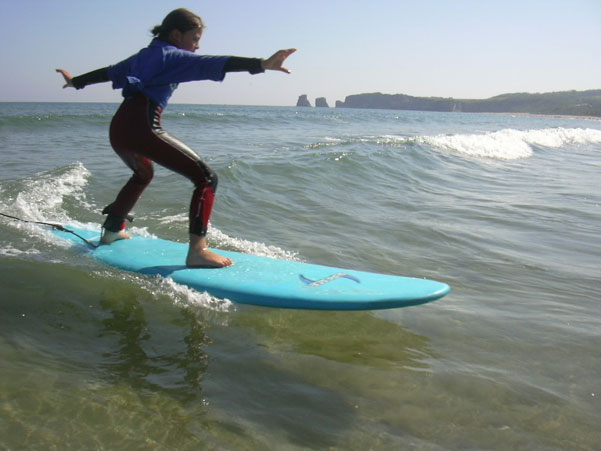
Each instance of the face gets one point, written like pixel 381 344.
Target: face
pixel 188 40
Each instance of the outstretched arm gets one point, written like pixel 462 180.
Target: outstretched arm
pixel 257 65
pixel 275 61
pixel 81 81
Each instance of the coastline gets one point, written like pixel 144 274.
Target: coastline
pixel 554 116
pixel 563 104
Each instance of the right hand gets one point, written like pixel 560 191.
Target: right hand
pixel 68 78
pixel 275 61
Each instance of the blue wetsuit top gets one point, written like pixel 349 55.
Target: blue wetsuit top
pixel 157 70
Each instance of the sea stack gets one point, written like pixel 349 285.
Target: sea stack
pixel 321 102
pixel 303 101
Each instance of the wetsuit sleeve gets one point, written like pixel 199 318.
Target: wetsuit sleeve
pixel 239 64
pixel 180 66
pixel 96 76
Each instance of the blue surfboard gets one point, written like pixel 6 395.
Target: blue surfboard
pixel 262 281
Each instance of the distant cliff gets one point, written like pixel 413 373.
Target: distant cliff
pixel 320 102
pixel 578 103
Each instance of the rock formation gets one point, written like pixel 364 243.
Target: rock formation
pixel 321 102
pixel 303 101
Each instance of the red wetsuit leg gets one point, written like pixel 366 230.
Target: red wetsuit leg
pixel 137 137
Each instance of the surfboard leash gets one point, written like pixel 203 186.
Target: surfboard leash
pixel 54 226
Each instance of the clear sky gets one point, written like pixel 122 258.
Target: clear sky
pixel 446 48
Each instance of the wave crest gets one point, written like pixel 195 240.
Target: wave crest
pixel 510 144
pixel 505 144
pixel 41 198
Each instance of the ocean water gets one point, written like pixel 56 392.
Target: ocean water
pixel 506 209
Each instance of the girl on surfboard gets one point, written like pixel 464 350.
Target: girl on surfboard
pixel 147 80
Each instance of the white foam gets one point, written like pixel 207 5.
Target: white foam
pixel 180 295
pixel 180 218
pixel 328 142
pixel 10 251
pixel 183 295
pixel 219 239
pixel 504 144
pixel 510 144
pixel 41 197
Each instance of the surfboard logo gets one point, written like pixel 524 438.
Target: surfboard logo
pixel 318 283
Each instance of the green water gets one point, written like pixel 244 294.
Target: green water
pixel 507 210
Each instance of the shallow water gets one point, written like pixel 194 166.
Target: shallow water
pixel 505 209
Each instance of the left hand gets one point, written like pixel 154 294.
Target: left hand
pixel 68 78
pixel 275 61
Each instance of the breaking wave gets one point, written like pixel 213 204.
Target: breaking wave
pixel 505 144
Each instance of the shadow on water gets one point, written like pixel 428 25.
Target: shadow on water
pixel 144 363
pixel 250 392
pixel 357 338
pixel 300 373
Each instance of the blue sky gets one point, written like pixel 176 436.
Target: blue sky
pixel 461 48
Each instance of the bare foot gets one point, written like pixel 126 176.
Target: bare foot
pixel 199 256
pixel 207 259
pixel 108 237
